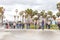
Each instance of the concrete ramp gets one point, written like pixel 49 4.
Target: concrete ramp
pixel 33 35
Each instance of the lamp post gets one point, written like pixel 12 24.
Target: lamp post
pixel 18 18
pixel 16 15
pixel 23 18
pixel 14 18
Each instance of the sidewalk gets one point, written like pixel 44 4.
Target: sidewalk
pixel 32 34
pixel 3 34
pixel 2 27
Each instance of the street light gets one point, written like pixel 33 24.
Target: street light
pixel 16 10
pixel 16 15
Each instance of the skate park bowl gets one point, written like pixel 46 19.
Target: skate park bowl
pixel 31 34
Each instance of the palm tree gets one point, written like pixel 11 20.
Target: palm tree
pixel 45 15
pixel 58 14
pixel 35 12
pixel 1 13
pixel 1 9
pixel 21 12
pixel 29 11
pixel 50 13
pixel 54 17
pixel 58 6
pixel 42 13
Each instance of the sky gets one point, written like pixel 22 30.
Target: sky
pixel 11 5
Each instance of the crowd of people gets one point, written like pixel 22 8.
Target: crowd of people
pixel 41 23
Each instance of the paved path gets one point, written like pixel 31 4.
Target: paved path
pixel 3 34
pixel 32 35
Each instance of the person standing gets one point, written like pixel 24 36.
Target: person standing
pixel 17 24
pixel 39 24
pixel 14 25
pixel 7 25
pixel 58 22
pixel 42 24
pixel 35 24
pixel 59 25
pixel 54 23
pixel 28 22
pixel 20 24
pixel 23 21
pixel 48 24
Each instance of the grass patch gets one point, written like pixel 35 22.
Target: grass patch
pixel 55 27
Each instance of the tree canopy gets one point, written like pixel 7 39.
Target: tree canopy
pixel 58 14
pixel 50 13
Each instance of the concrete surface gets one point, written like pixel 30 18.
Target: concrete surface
pixel 32 34
pixel 3 34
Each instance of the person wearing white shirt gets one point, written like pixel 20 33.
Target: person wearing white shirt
pixel 28 22
pixel 23 22
pixel 53 23
pixel 48 24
